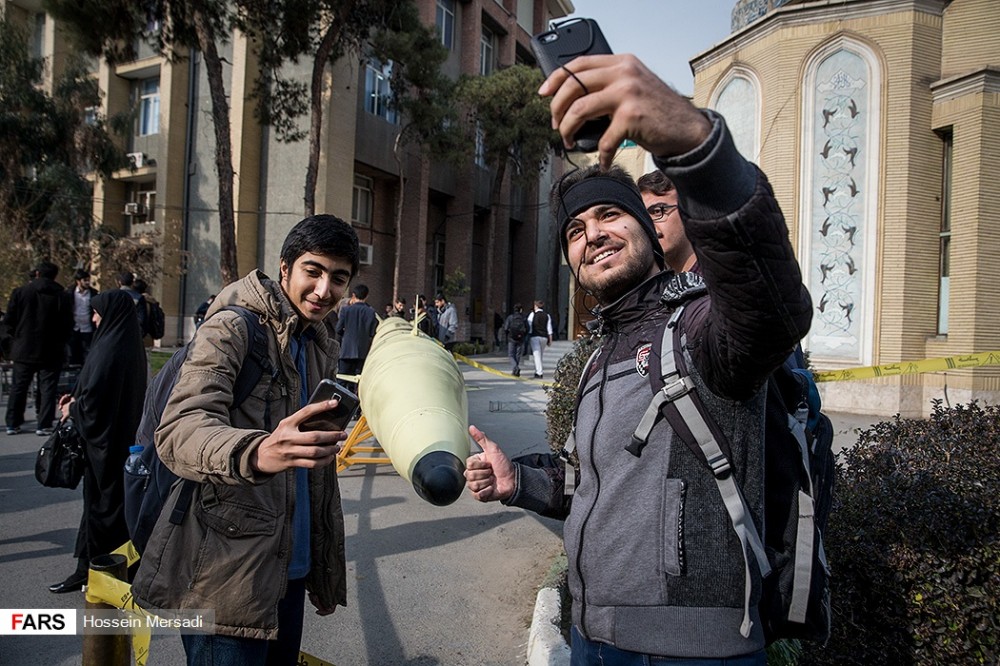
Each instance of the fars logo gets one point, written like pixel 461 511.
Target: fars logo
pixel 37 621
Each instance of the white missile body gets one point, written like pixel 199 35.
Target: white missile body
pixel 413 397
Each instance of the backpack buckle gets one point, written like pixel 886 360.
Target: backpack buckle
pixel 719 465
pixel 677 389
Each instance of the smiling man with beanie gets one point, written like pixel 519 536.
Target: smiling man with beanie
pixel 657 569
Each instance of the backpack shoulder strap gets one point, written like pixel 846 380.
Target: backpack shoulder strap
pixel 256 364
pixel 691 422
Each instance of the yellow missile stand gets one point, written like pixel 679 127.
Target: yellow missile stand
pixel 352 452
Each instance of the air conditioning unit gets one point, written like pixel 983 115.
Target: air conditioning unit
pixel 138 160
pixel 134 208
pixel 365 254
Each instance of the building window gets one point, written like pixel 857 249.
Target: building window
pixel 944 262
pixel 444 21
pixel 378 91
pixel 480 147
pixel 38 36
pixel 486 52
pixel 361 203
pixel 148 92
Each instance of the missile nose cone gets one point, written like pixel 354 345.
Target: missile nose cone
pixel 438 477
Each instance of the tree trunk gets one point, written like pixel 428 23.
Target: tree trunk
pixel 491 247
pixel 320 62
pixel 223 148
pixel 397 149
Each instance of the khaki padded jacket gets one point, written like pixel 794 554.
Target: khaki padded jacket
pixel 232 550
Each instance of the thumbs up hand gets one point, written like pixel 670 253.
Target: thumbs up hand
pixel 490 475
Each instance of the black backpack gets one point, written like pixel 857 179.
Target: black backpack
pixel 518 327
pixel 145 494
pixel 798 472
pixel 155 320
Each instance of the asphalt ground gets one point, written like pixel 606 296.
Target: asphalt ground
pixel 427 585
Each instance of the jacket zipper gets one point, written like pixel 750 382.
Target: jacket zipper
pixel 597 490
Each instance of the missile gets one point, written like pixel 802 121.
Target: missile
pixel 413 397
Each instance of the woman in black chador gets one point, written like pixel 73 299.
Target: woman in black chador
pixel 106 406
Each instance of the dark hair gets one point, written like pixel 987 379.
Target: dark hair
pixel 656 183
pixel 47 269
pixel 440 297
pixel 125 278
pixel 518 307
pixel 360 291
pixel 326 235
pixel 139 285
pixel 81 274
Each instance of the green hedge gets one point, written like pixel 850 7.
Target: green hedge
pixel 913 543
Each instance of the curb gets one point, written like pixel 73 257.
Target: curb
pixel 546 646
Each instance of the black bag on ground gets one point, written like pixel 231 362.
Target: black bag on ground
pixel 145 494
pixel 60 461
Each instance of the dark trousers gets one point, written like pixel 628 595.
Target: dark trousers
pixel 215 650
pixel 79 346
pixel 515 348
pixel 48 385
pixel 351 366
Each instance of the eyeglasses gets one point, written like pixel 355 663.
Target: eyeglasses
pixel 660 211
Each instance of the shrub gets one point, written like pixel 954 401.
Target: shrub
pixel 913 543
pixel 562 393
pixel 470 348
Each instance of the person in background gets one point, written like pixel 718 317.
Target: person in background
pixel 660 198
pixel 126 282
pixel 83 325
pixel 399 308
pixel 106 406
pixel 515 328
pixel 142 288
pixel 356 324
pixel 447 321
pixel 427 323
pixel 38 321
pixel 539 334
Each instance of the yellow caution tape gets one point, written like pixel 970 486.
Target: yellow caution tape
pixel 943 363
pixel 104 588
pixel 980 360
pixel 498 373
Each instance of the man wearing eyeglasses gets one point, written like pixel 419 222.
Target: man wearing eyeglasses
pixel 660 198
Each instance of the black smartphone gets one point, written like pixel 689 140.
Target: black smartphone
pixel 556 47
pixel 338 417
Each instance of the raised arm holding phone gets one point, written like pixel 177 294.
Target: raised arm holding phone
pixel 655 568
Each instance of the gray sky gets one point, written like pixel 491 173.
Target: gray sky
pixel 664 34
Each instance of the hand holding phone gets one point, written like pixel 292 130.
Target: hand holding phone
pixel 558 46
pixel 338 417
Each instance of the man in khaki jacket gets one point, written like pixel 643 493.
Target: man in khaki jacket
pixel 265 525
